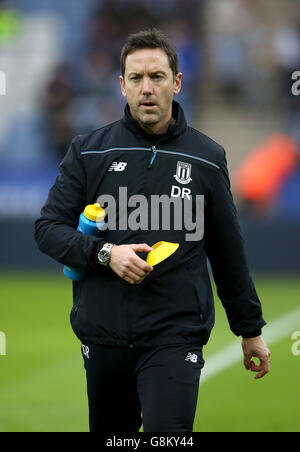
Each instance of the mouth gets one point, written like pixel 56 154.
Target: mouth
pixel 148 105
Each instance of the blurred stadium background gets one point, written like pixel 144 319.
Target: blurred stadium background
pixel 59 68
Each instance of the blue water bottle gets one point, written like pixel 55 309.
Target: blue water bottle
pixel 90 222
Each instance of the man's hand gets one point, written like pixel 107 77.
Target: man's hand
pixel 256 347
pixel 126 264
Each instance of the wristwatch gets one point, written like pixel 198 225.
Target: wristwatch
pixel 104 254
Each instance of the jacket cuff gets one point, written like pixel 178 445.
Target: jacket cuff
pixel 252 334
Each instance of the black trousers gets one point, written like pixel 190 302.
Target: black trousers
pixel 154 387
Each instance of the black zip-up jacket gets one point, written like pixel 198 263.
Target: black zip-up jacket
pixel 173 304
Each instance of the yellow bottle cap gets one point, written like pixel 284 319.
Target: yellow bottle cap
pixel 162 250
pixel 94 212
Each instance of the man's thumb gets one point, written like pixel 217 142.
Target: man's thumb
pixel 141 248
pixel 247 361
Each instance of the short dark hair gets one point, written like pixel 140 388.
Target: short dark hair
pixel 152 38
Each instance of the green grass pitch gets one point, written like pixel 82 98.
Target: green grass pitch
pixel 42 380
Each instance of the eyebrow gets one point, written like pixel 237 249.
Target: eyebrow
pixel 151 73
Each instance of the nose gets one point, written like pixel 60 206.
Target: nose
pixel 146 86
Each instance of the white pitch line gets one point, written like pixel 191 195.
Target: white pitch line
pixel 271 333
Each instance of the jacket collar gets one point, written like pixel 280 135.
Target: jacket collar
pixel 174 130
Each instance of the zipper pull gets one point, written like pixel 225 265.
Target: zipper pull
pixel 154 152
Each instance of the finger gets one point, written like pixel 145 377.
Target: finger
pixel 141 272
pixel 128 280
pixel 141 247
pixel 261 374
pixel 131 277
pixel 247 361
pixel 136 266
pixel 138 271
pixel 141 265
pixel 262 368
pixel 255 367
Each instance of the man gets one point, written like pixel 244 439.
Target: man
pixel 142 328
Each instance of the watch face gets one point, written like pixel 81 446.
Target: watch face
pixel 103 256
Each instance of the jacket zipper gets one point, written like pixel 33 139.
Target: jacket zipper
pixel 154 152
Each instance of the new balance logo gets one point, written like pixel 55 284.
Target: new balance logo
pixel 191 357
pixel 117 166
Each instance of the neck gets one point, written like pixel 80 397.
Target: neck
pixel 157 129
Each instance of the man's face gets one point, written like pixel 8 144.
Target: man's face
pixel 149 86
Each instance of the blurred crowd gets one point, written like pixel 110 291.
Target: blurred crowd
pixel 63 75
pixel 254 45
pixel 85 94
pixel 254 50
pixel 83 91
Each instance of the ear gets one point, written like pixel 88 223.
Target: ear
pixel 122 84
pixel 177 83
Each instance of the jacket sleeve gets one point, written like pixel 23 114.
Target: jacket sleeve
pixel 224 247
pixel 56 230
